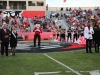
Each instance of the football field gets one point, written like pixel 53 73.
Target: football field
pixel 57 63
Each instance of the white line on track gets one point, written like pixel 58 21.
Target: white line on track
pixel 63 65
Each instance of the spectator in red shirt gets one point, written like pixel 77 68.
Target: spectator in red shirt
pixel 37 31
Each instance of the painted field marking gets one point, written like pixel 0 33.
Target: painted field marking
pixel 95 72
pixel 38 73
pixel 50 46
pixel 63 65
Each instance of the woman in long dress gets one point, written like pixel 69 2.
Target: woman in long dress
pixel 13 40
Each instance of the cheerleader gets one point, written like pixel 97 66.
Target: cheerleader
pixel 78 34
pixel 69 36
pixel 58 33
pixel 82 32
pixel 62 35
pixel 75 35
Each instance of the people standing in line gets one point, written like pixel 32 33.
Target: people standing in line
pixel 37 31
pixel 88 31
pixel 96 37
pixel 4 39
pixel 13 40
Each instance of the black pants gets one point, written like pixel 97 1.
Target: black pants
pixel 39 39
pixel 4 45
pixel 97 46
pixel 62 37
pixel 78 35
pixel 88 45
pixel 57 36
pixel 93 39
pixel 81 34
pixel 75 37
pixel 69 36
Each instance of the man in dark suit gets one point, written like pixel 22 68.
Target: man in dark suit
pixel 4 39
pixel 97 39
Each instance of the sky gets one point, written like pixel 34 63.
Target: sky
pixel 73 3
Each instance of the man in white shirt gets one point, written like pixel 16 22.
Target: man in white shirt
pixel 88 31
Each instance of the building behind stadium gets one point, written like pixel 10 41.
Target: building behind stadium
pixel 23 5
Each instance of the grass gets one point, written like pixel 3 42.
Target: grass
pixel 79 60
pixel 27 64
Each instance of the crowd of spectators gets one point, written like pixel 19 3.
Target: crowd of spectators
pixel 75 18
pixel 78 18
pixel 23 24
pixel 18 23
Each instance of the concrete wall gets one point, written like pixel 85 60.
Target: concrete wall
pixel 35 7
pixel 28 7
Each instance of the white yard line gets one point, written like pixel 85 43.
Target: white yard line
pixel 38 73
pixel 63 65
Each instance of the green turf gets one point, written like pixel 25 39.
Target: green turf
pixel 27 64
pixel 79 60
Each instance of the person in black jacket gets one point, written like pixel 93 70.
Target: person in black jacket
pixel 96 37
pixel 4 39
pixel 13 40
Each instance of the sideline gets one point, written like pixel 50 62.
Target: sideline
pixel 63 64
